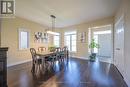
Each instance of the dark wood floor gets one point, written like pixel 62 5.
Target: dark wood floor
pixel 75 73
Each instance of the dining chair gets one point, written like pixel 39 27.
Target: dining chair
pixel 65 52
pixel 53 57
pixel 50 59
pixel 36 60
pixel 58 55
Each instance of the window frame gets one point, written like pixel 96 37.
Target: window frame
pixel 59 40
pixel 19 37
pixel 70 36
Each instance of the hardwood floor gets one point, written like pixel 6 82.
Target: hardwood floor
pixel 75 73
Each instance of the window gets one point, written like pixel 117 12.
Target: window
pixel 70 41
pixel 23 39
pixel 57 40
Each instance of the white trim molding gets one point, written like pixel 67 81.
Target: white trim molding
pixel 9 65
pixel 85 58
pixel 127 80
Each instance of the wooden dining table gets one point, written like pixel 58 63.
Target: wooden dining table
pixel 48 53
pixel 43 55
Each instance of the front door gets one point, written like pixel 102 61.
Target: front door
pixel 119 45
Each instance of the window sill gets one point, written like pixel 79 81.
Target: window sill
pixel 24 49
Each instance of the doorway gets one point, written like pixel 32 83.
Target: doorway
pixel 103 36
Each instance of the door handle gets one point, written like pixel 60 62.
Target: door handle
pixel 117 48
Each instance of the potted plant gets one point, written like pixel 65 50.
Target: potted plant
pixel 93 45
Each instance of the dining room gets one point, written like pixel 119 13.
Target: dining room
pixel 39 59
pixel 64 43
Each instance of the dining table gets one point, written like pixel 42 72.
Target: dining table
pixel 46 54
pixel 42 56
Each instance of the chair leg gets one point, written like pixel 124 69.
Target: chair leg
pixel 33 68
pixel 46 65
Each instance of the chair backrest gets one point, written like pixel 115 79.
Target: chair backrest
pixel 64 48
pixel 41 49
pixel 33 53
pixel 58 49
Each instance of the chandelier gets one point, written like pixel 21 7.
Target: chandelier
pixel 51 31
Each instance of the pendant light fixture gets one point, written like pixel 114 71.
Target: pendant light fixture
pixel 53 26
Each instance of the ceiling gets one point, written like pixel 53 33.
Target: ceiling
pixel 67 12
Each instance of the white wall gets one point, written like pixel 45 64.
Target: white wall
pixel 82 48
pixel 9 38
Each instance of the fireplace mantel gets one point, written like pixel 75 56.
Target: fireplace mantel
pixel 3 48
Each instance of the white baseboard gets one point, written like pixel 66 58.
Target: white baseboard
pixel 125 77
pixel 20 62
pixel 127 81
pixel 85 58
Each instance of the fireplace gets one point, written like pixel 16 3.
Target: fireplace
pixel 3 67
pixel 1 72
